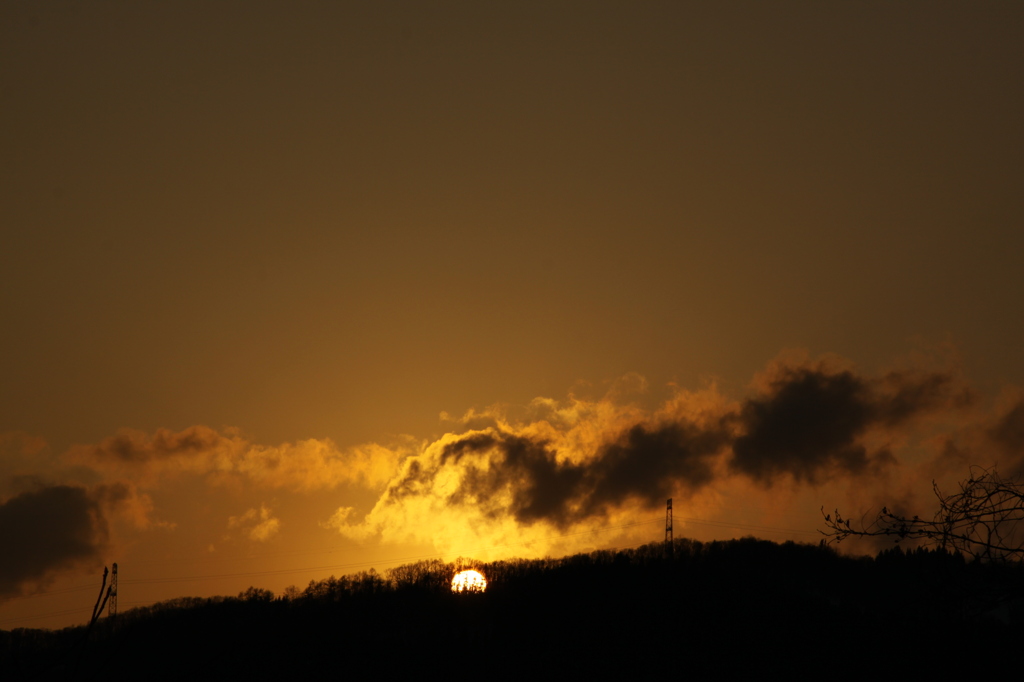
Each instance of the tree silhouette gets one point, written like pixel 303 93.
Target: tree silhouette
pixel 256 594
pixel 982 521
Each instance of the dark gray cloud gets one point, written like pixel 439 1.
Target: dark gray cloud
pixel 808 423
pixel 810 420
pixel 645 463
pixel 49 529
pixel 541 487
pixel 649 462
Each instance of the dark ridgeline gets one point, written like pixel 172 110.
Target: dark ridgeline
pixel 704 609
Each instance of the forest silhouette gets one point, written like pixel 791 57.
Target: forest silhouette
pixel 716 608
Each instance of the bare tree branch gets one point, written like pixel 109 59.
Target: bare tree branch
pixel 983 520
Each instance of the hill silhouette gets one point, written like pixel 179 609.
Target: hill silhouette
pixel 706 609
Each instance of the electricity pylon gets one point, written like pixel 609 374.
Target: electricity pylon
pixel 668 523
pixel 112 608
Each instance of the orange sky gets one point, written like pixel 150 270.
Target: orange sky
pixel 289 291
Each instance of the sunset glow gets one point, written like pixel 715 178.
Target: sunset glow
pixel 299 290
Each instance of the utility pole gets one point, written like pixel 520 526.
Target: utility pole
pixel 112 610
pixel 668 525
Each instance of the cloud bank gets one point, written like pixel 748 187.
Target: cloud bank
pixel 805 423
pixel 303 466
pixel 526 481
pixel 61 513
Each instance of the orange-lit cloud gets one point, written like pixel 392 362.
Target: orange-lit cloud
pixel 256 524
pixel 69 510
pixel 558 466
pixel 202 451
pixel 538 478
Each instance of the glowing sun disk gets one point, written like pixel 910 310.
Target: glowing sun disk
pixel 469 581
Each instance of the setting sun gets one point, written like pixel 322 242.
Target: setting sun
pixel 469 581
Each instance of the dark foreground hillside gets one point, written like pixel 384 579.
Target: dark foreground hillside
pixel 706 610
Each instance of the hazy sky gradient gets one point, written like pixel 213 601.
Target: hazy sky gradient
pixel 298 233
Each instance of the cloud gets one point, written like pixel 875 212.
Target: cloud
pixel 257 525
pixel 508 473
pixel 540 477
pixel 303 466
pixel 52 528
pixel 554 466
pixel 557 466
pixel 809 421
pixel 48 530
pixel 150 459
pixel 123 500
pixel 318 464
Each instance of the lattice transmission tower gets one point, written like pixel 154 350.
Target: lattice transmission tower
pixel 112 594
pixel 668 523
